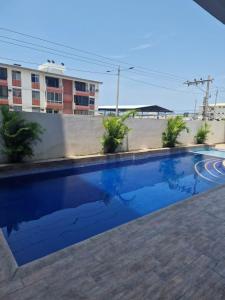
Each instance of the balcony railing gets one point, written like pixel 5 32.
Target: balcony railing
pixel 4 101
pixel 36 85
pixel 3 82
pixel 36 102
pixel 17 100
pixel 16 82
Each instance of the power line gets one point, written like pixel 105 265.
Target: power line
pixel 49 52
pixel 70 69
pixel 59 51
pixel 91 53
pixel 155 85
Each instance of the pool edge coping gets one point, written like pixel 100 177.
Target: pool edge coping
pixel 8 170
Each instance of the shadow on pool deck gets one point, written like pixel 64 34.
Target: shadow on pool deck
pixel 175 253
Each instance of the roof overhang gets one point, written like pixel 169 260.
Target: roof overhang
pixel 214 7
pixel 140 108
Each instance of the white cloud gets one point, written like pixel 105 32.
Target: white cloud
pixel 142 47
pixel 116 56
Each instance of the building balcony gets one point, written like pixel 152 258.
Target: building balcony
pixel 4 101
pixel 54 89
pixel 81 107
pixel 92 94
pixel 16 82
pixel 36 102
pixel 82 93
pixel 3 82
pixel 55 106
pixel 91 107
pixel 17 100
pixel 36 85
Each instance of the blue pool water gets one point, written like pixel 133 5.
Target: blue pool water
pixel 40 214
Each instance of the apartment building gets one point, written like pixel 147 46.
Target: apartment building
pixel 215 111
pixel 47 90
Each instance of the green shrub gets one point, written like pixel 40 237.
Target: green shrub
pixel 202 133
pixel 18 135
pixel 115 131
pixel 175 126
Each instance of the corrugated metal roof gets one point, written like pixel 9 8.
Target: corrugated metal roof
pixel 146 108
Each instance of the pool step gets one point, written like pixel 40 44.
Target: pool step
pixel 211 170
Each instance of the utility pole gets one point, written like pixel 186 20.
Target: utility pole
pixel 206 97
pixel 196 101
pixel 118 86
pixel 214 114
pixel 118 91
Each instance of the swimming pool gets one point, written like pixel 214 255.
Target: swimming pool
pixel 43 213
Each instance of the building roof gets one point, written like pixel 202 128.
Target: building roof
pixel 214 7
pixel 217 104
pixel 63 76
pixel 142 108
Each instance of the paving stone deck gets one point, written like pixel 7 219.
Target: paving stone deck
pixel 176 253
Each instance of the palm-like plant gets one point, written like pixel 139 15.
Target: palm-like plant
pixel 115 131
pixel 18 135
pixel 202 133
pixel 174 127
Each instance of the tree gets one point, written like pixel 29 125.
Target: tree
pixel 202 133
pixel 18 135
pixel 175 126
pixel 115 131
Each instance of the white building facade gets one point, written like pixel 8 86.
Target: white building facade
pixel 47 90
pixel 215 111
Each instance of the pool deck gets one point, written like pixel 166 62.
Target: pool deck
pixel 175 253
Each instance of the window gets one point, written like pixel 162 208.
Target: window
pixel 92 88
pixel 92 101
pixel 54 97
pixel 36 109
pixel 17 108
pixel 3 92
pixel 81 100
pixel 52 82
pixel 51 111
pixel 35 78
pixel 80 112
pixel 3 74
pixel 17 93
pixel 36 95
pixel 81 86
pixel 16 75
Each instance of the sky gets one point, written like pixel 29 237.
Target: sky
pixel 167 43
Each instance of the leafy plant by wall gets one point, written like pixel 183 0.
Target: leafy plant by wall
pixel 18 135
pixel 202 133
pixel 115 131
pixel 175 126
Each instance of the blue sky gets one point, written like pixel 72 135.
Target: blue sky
pixel 173 37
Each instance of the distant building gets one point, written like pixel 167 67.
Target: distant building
pixel 47 90
pixel 215 111
pixel 142 110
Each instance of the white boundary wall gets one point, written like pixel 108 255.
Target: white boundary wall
pixel 81 135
